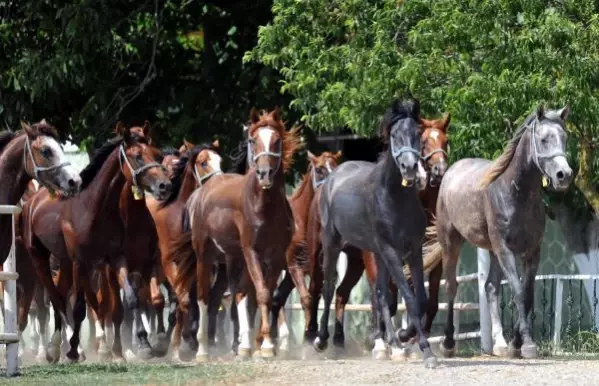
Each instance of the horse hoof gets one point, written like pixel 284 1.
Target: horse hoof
pixel 320 345
pixel 144 353
pixel 160 349
pixel 431 362
pixel 513 352
pixel 245 352
pixel 72 360
pixel 42 359
pixel 202 358
pixel 129 356
pixel 105 356
pixel 529 351
pixel 267 352
pixel 119 360
pixel 447 352
pixel 500 351
pixel 399 354
pixel 380 355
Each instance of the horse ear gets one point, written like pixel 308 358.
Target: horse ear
pixel 216 144
pixel 338 155
pixel 188 145
pixel 276 114
pixel 446 122
pixel 311 157
pixel 541 111
pixel 254 115
pixel 563 113
pixel 395 106
pixel 146 129
pixel 120 128
pixel 25 126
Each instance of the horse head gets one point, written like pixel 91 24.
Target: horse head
pixel 401 129
pixel 434 147
pixel 548 147
pixel 270 146
pixel 139 163
pixel 206 162
pixel 45 161
pixel 322 166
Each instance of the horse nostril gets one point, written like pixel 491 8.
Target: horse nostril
pixel 403 165
pixel 162 186
pixel 415 166
pixel 71 183
pixel 560 175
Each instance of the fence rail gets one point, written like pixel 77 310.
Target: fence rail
pixel 10 337
pixel 484 333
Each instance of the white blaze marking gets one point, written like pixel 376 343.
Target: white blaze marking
pixel 328 165
pixel 434 134
pixel 218 246
pixel 265 134
pixel 214 161
pixel 244 323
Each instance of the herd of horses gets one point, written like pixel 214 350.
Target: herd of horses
pixel 137 218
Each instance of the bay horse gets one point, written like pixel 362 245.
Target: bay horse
pixel 375 207
pixel 497 205
pixel 244 221
pixel 434 158
pixel 32 152
pixel 191 171
pixel 86 231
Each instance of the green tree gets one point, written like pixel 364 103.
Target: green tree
pixel 86 64
pixel 489 63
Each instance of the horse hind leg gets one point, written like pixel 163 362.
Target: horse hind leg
pixel 493 290
pixel 279 298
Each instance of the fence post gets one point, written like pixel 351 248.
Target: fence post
pixel 557 317
pixel 10 309
pixel 484 263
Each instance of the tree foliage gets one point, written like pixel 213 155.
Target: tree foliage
pixel 489 63
pixel 86 64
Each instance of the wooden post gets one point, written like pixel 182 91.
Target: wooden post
pixel 484 264
pixel 557 316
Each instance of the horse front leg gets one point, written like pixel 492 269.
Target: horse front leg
pixel 131 292
pixel 279 298
pixel 158 303
pixel 78 314
pixel 493 290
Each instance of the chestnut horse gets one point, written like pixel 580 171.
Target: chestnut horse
pixel 435 158
pixel 296 256
pixel 90 231
pixel 237 219
pixel 33 152
pixel 191 171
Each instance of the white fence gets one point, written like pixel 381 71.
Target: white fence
pixel 10 337
pixel 484 333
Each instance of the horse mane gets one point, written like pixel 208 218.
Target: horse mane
pixel 179 171
pixel 239 157
pixel 5 138
pixel 44 128
pixel 306 180
pixel 100 156
pixel 398 110
pixel 291 140
pixel 499 165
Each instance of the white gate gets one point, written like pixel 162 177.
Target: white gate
pixel 10 337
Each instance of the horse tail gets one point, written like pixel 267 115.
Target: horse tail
pixel 182 255
pixel 432 252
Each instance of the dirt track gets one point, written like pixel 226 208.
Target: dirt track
pixel 461 371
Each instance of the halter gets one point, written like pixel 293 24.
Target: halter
pixel 38 169
pixel 536 155
pixel 427 157
pixel 135 172
pixel 253 158
pixel 203 178
pixel 315 183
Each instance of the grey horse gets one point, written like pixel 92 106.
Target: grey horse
pixel 497 205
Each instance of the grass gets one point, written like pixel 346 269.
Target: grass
pixel 133 374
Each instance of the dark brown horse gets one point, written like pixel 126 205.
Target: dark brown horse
pixel 191 171
pixel 497 205
pixel 244 221
pixel 434 156
pixel 33 152
pixel 298 264
pixel 86 232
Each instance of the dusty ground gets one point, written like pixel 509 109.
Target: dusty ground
pixel 480 370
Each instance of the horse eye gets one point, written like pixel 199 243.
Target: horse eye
pixel 46 152
pixel 204 164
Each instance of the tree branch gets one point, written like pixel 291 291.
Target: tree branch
pixel 583 180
